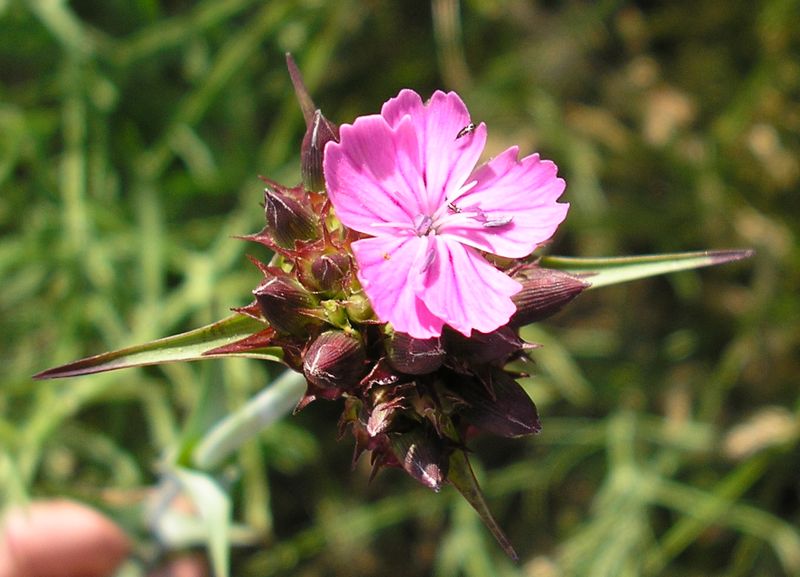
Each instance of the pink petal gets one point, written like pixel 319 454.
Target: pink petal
pixel 446 159
pixel 465 291
pixel 523 191
pixel 373 174
pixel 389 268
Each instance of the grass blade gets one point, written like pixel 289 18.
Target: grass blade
pixel 190 346
pixel 607 271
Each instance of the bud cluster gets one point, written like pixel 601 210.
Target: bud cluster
pixel 410 402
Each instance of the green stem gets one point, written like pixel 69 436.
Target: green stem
pixel 273 403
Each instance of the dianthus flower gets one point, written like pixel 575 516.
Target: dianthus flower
pixel 406 179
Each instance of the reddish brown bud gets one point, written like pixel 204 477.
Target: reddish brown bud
pixel 328 271
pixel 286 304
pixel 387 403
pixel 498 405
pixel 335 360
pixel 544 292
pixel 496 347
pixel 288 220
pixel 319 133
pixel 422 455
pixel 414 356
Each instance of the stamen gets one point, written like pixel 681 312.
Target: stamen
pixel 426 264
pixel 422 224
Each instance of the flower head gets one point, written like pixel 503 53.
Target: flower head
pixel 406 179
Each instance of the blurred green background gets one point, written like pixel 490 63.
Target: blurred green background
pixel 131 137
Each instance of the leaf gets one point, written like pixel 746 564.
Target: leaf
pixel 214 507
pixel 607 271
pixel 190 346
pixel 460 475
pixel 274 402
pixel 15 491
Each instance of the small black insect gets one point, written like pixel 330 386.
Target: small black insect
pixel 468 129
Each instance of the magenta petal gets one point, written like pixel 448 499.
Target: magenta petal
pixel 465 291
pixel 447 160
pixel 388 268
pixel 522 192
pixel 373 174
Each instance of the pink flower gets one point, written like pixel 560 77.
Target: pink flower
pixel 406 178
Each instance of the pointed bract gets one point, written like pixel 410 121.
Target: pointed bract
pixel 499 405
pixel 422 455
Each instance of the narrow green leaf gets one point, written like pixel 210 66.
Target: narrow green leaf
pixel 190 346
pixel 214 506
pixel 273 403
pixel 607 271
pixel 460 475
pixel 15 492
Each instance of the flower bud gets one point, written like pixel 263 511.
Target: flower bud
pixel 544 292
pixel 498 405
pixel 496 347
pixel 288 220
pixel 414 356
pixel 319 132
pixel 359 308
pixel 422 455
pixel 286 304
pixel 328 271
pixel 335 360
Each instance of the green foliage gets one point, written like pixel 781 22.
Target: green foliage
pixel 131 135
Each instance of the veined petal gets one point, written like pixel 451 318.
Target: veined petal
pixel 515 201
pixel 388 268
pixel 447 158
pixel 465 291
pixel 373 174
